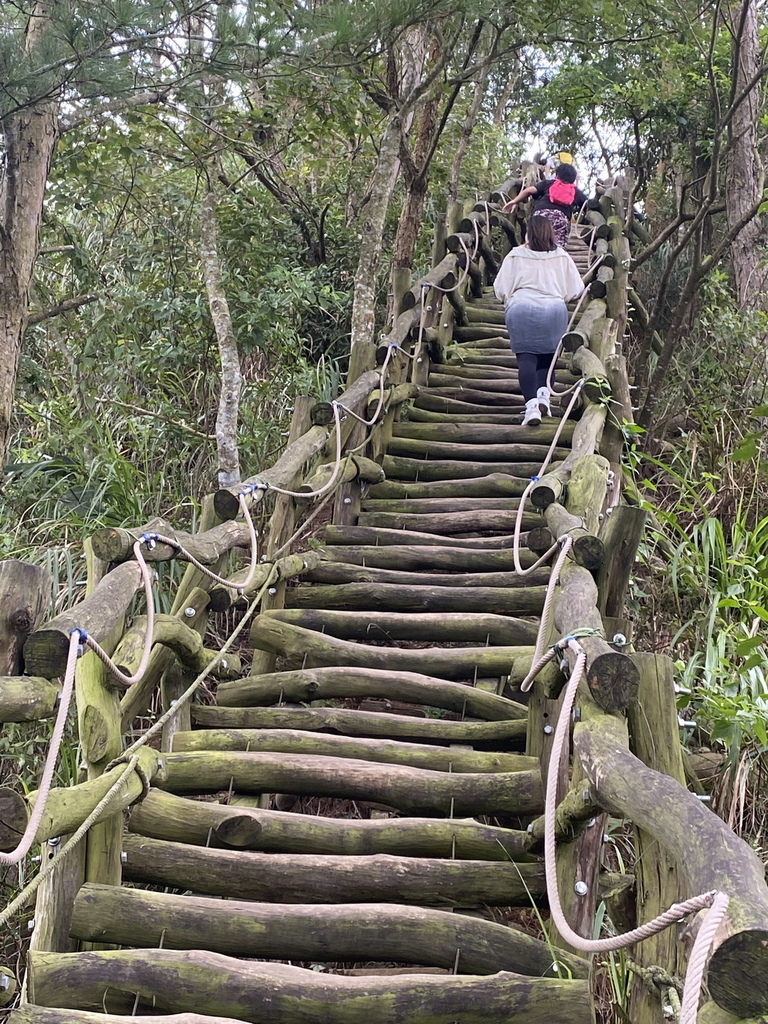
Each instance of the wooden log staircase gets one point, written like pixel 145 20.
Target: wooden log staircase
pixel 351 831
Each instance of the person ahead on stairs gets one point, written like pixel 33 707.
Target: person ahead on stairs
pixel 534 282
pixel 556 199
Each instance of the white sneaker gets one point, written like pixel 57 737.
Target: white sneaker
pixel 532 416
pixel 542 397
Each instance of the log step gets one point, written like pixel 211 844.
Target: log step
pixel 431 402
pixel 399 467
pixel 381 751
pixel 331 683
pixel 429 558
pixel 490 485
pixel 483 433
pixel 448 376
pixel 438 505
pixel 197 982
pixel 289 878
pixel 339 573
pixel 413 447
pixel 346 722
pixel 395 597
pixel 376 536
pixel 378 932
pixel 450 522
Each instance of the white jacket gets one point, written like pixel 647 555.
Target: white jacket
pixel 536 276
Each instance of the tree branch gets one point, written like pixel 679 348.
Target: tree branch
pixel 63 307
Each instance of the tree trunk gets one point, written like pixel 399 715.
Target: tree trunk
pixel 29 139
pixel 745 170
pixel 231 379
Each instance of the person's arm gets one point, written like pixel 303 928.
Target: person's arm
pixel 503 285
pixel 579 199
pixel 523 197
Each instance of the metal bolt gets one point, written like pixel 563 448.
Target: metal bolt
pixel 36 859
pixel 160 763
pixel 586 796
pixel 619 640
pixel 704 797
pixel 5 981
pixel 529 830
pixel 419 360
pixel 446 325
pixel 591 823
pixel 123 857
pixel 272 591
pixel 190 612
pixel 668 1011
pixel 609 511
pixel 548 730
pixel 54 841
pixel 685 724
pixel 31 925
pixel 576 714
pixel 581 888
pixel 347 501
pixel 224 664
pixel 555 967
pixel 563 665
pixel 174 701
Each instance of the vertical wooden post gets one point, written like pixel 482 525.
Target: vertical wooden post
pixel 100 731
pixel 401 283
pixel 24 593
pixel 174 682
pixel 55 899
pixel 660 882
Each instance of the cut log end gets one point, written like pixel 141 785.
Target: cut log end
pixel 241 831
pixel 738 974
pixel 588 551
pixel 613 681
pixel 13 819
pixel 226 504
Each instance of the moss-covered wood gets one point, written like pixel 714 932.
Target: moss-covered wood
pixel 413 447
pixel 447 523
pixel 67 807
pixel 46 649
pixel 412 790
pixel 222 597
pixel 27 698
pixel 525 600
pixel 186 643
pixel 201 823
pixel 29 1014
pixel 580 333
pixel 492 416
pixel 431 401
pixel 244 825
pixel 612 678
pixel 431 505
pixel 621 535
pixel 587 490
pixel 116 545
pixel 384 751
pixel 660 881
pixel 586 549
pixel 418 470
pixel 55 898
pixel 507 733
pixel 13 818
pixel 479 433
pixel 378 932
pixel 436 558
pixel 586 437
pixel 270 634
pixel 24 593
pixel 305 878
pixel 713 856
pixel 296 455
pixel 216 984
pixel 499 630
pixel 379 536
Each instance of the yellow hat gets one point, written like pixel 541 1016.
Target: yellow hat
pixel 564 158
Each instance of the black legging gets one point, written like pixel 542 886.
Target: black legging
pixel 532 370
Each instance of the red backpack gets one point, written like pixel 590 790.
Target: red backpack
pixel 562 192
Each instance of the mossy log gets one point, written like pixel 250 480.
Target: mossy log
pixel 24 593
pixel 221 598
pixel 294 741
pixel 186 643
pixel 499 375
pixel 394 396
pixel 412 790
pixel 446 663
pixel 612 678
pixel 211 983
pixel 520 452
pixel 67 807
pixel 366 535
pixel 354 467
pixel 621 536
pixel 341 721
pixel 444 276
pixel 338 572
pixel 281 474
pixel 477 389
pixel 597 387
pixel 488 315
pixel 580 333
pixel 307 878
pixel 479 433
pixel 502 400
pixel 428 557
pixel 586 437
pixel 586 549
pixel 419 470
pixel 440 403
pixel 492 485
pixel 116 545
pixel 498 630
pixel 29 1014
pixel 306 685
pixel 27 698
pixel 508 418
pixel 527 600
pixel 47 648
pixel 181 820
pixel 712 856
pixel 425 506
pixel 587 491
pixel 446 523
pixel 378 932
